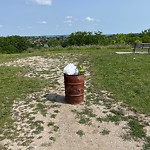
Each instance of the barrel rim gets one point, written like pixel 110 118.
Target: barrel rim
pixel 73 75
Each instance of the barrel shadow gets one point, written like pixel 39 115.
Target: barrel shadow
pixel 54 97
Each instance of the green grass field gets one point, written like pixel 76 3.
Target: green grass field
pixel 127 77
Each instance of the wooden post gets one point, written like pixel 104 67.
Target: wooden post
pixel 134 47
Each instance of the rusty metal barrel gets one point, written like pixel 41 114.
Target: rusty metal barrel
pixel 74 88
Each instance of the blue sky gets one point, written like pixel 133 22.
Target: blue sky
pixel 59 17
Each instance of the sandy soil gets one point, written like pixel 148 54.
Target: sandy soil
pixel 44 121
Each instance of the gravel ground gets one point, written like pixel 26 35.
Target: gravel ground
pixel 44 121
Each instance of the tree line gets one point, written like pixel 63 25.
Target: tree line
pixel 13 44
pixel 18 44
pixel 97 38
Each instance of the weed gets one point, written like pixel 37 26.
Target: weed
pixel 74 110
pixel 116 117
pixel 88 112
pixel 38 128
pixel 85 115
pixel 55 128
pixel 46 144
pixel 109 118
pixel 50 124
pixel 136 129
pixel 80 133
pixel 107 103
pixel 105 132
pixel 52 138
pixel 85 120
pixel 126 136
pixel 56 111
pixel 99 119
pixel 26 142
pixel 53 116
pixel 55 106
pixel 146 146
pixel 42 109
pixel 117 112
pixel 97 101
pixel 2 147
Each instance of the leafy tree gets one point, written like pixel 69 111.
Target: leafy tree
pixel 146 32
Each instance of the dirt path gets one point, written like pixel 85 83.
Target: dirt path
pixel 43 121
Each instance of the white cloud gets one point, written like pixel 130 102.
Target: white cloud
pixel 69 20
pixel 43 2
pixel 89 19
pixel 43 22
pixel 69 17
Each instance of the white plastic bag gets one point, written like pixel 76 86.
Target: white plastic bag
pixel 71 69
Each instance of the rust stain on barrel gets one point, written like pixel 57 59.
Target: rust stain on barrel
pixel 74 88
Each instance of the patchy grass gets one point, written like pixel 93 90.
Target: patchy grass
pixel 136 129
pixel 2 147
pixel 84 116
pixel 116 117
pixel 52 124
pixel 37 126
pixel 125 76
pixel 42 108
pixel 146 146
pixel 14 86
